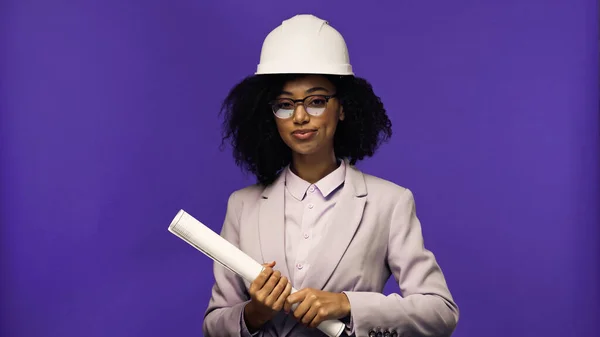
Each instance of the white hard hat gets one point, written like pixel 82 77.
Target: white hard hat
pixel 304 44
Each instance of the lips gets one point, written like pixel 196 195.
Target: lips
pixel 304 134
pixel 304 131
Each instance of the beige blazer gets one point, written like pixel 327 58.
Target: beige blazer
pixel 374 233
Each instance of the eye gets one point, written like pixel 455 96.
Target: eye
pixel 286 105
pixel 318 102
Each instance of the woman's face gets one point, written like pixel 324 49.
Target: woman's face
pixel 307 134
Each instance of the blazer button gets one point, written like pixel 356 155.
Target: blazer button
pixel 379 334
pixel 372 333
pixel 394 333
pixel 386 333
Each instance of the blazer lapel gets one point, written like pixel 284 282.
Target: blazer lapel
pixel 340 230
pixel 271 225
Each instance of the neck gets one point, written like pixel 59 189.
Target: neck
pixel 313 168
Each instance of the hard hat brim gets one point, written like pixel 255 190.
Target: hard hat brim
pixel 344 69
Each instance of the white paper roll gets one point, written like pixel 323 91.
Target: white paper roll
pixel 192 231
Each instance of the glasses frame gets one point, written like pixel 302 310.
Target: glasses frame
pixel 303 101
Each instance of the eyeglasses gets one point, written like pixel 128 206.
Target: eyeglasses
pixel 314 105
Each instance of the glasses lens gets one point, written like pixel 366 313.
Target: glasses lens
pixel 315 105
pixel 283 108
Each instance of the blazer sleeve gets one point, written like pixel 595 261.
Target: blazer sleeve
pixel 224 315
pixel 426 307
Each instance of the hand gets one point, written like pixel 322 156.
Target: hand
pixel 317 306
pixel 268 293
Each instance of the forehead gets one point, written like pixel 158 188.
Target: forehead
pixel 302 85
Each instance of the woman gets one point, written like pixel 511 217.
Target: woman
pixel 318 223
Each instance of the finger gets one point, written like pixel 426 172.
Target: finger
pixel 310 315
pixel 260 280
pixel 286 305
pixel 274 295
pixel 269 264
pixel 297 296
pixel 322 314
pixel 304 306
pixel 280 304
pixel 268 287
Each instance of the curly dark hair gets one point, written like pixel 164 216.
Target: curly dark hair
pixel 250 126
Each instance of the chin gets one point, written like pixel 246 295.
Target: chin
pixel 305 150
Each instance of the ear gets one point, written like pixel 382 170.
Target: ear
pixel 342 116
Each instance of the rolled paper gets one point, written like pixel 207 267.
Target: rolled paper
pixel 204 239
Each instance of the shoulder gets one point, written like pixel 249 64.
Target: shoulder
pixel 386 192
pixel 247 195
pixel 380 186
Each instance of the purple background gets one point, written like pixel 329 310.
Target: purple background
pixel 109 126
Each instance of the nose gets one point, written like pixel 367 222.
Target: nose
pixel 300 115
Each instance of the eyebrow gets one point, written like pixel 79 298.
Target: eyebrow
pixel 309 91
